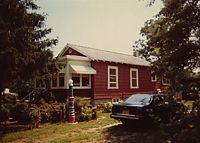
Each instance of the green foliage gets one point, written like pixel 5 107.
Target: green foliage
pixel 171 40
pixel 84 115
pixel 35 116
pixel 23 46
pixel 187 128
pixel 46 111
pixel 83 112
pixel 107 107
pixel 172 46
pixel 46 95
pixel 8 98
pixel 4 112
pixel 21 113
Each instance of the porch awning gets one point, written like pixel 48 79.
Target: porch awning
pixel 82 69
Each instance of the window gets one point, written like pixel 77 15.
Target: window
pixel 81 80
pixel 58 80
pixel 54 80
pixel 76 79
pixel 112 77
pixel 61 79
pixel 134 78
pixel 153 77
pixel 165 81
pixel 115 100
pixel 85 80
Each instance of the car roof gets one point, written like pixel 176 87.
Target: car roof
pixel 146 94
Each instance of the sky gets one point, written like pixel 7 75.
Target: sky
pixel 112 25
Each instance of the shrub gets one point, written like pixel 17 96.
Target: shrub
pixel 46 112
pixel 83 112
pixel 107 107
pixel 46 95
pixel 8 98
pixel 4 113
pixel 26 113
pixel 21 113
pixel 84 115
pixel 182 126
pixel 35 116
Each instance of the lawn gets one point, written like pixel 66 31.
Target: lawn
pixel 102 130
pixel 61 132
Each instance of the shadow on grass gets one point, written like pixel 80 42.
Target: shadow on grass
pixel 133 134
pixel 12 127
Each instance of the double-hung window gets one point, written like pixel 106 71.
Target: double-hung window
pixel 58 80
pixel 81 80
pixel 134 78
pixel 165 81
pixel 54 80
pixel 153 77
pixel 61 79
pixel 112 77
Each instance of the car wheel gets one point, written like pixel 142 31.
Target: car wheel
pixel 127 122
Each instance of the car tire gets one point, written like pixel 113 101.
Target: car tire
pixel 128 123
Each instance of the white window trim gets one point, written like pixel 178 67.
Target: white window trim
pixel 153 79
pixel 58 80
pixel 83 87
pixel 137 78
pixel 116 68
pixel 164 83
pixel 57 85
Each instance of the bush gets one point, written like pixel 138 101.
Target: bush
pixel 46 95
pixel 182 126
pixel 35 116
pixel 21 113
pixel 84 115
pixel 8 98
pixel 83 112
pixel 107 107
pixel 46 112
pixel 4 113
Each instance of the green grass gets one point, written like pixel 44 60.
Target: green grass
pixel 61 132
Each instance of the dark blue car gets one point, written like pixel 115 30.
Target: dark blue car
pixel 137 107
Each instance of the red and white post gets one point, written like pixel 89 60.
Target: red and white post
pixel 71 111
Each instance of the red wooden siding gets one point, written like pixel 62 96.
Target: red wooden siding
pixel 62 94
pixel 71 51
pixel 100 80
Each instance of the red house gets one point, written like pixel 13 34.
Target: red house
pixel 102 75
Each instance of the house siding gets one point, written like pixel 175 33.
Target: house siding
pixel 62 94
pixel 100 81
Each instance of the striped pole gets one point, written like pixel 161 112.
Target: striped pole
pixel 71 103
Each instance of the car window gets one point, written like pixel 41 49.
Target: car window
pixel 139 99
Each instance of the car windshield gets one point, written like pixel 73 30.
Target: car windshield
pixel 139 99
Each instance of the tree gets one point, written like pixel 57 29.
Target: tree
pixel 24 49
pixel 172 41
